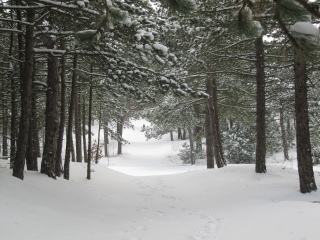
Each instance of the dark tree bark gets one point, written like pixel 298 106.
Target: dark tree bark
pixel 197 133
pixel 261 108
pixel 283 134
pixel 58 167
pixel 89 132
pixel 52 117
pixel 32 151
pixel 216 128
pixel 25 115
pixel 77 126
pixel 171 135
pixel 191 140
pixel 209 141
pixel 106 139
pixel 179 134
pixel 184 134
pixel 13 119
pixel 84 129
pixel 66 170
pixel 4 128
pixel 304 157
pixel 214 122
pixel 119 132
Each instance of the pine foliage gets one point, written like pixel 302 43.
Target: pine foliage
pixel 245 25
pixel 182 6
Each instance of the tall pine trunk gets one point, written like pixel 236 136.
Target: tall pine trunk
pixel 304 157
pixel 106 139
pixel 58 167
pixel 208 128
pixel 84 129
pixel 69 143
pixel 26 83
pixel 77 126
pixel 32 151
pixel 261 108
pixel 89 132
pixel 52 117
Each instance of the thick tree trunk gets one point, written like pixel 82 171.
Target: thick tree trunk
pixel 171 135
pixel 283 134
pixel 77 126
pixel 216 126
pixel 84 129
pixel 261 108
pixel 52 117
pixel 58 167
pixel 32 151
pixel 25 115
pixel 304 157
pixel 66 170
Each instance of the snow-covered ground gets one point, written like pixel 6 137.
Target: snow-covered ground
pixel 147 194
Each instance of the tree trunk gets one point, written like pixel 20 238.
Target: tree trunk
pixel 84 129
pixel 106 139
pixel 48 163
pixel 4 127
pixel 13 119
pixel 171 135
pixel 89 132
pixel 179 134
pixel 119 132
pixel 216 127
pixel 283 134
pixel 32 151
pixel 25 115
pixel 77 126
pixel 304 157
pixel 58 167
pixel 209 141
pixel 261 108
pixel 192 157
pixel 66 171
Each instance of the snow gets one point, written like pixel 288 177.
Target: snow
pixel 148 194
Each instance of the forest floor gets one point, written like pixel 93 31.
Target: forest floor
pixel 148 194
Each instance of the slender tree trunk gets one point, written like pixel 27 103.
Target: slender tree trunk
pixel 58 167
pixel 52 117
pixel 25 115
pixel 66 171
pixel 184 134
pixel 77 126
pixel 84 129
pixel 13 119
pixel 106 139
pixel 209 141
pixel 5 128
pixel 283 134
pixel 197 131
pixel 119 131
pixel 304 157
pixel 191 140
pixel 179 134
pixel 89 132
pixel 261 108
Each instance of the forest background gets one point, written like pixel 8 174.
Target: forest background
pixel 241 74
